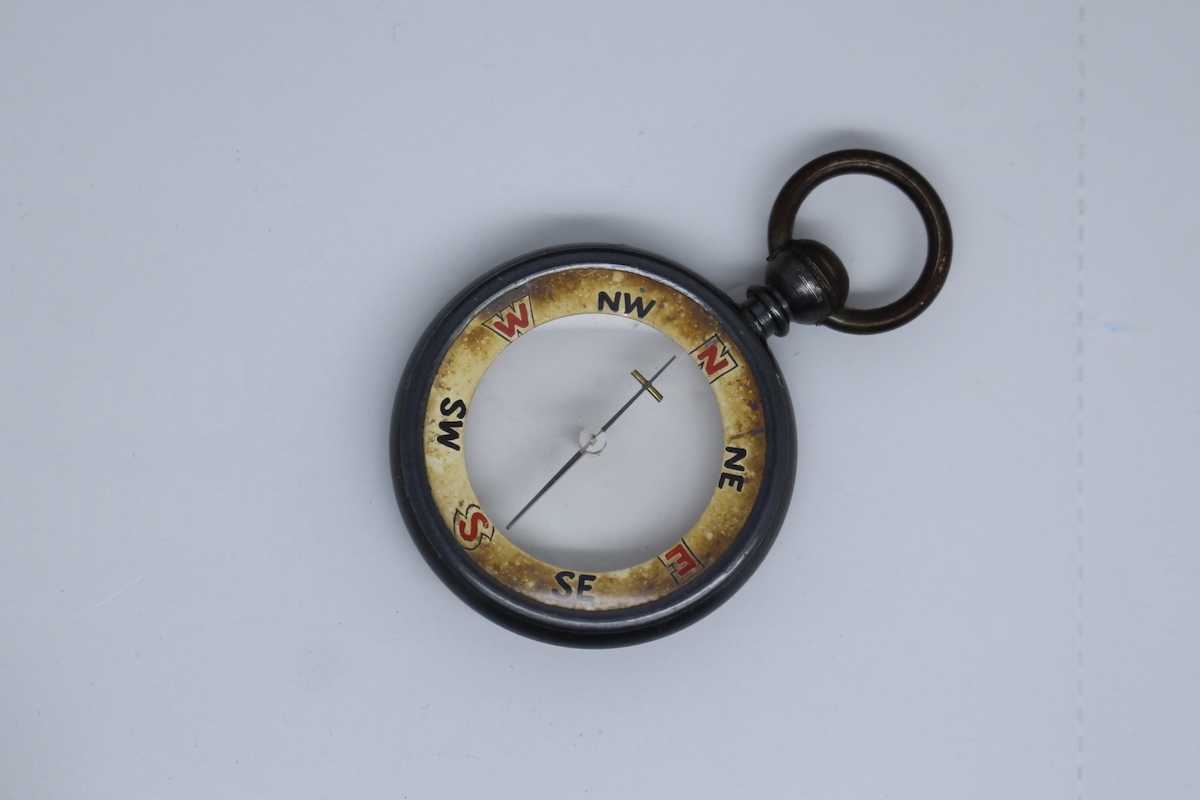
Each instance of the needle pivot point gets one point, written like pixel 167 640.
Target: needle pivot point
pixel 592 441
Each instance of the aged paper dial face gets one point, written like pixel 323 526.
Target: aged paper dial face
pixel 527 383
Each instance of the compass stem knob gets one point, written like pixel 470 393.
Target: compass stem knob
pixel 806 283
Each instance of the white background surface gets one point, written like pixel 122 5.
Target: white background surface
pixel 223 227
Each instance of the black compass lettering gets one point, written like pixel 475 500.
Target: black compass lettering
pixel 450 427
pixel 633 304
pixel 733 466
pixel 581 588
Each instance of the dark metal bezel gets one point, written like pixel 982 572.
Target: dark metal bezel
pixel 570 626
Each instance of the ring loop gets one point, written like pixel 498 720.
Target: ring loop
pixel 937 227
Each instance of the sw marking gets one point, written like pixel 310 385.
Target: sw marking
pixel 449 427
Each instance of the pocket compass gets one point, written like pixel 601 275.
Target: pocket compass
pixel 593 445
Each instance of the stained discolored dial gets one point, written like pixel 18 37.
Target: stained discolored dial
pixel 700 555
pixel 542 299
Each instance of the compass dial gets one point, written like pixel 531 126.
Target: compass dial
pixel 659 512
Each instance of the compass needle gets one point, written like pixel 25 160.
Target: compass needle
pixel 646 386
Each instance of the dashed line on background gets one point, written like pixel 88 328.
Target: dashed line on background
pixel 1079 520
